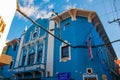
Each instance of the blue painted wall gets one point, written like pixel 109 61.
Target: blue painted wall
pixel 77 33
pixel 11 51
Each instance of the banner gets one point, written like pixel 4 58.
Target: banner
pixel 64 76
pixel 89 48
pixel 7 11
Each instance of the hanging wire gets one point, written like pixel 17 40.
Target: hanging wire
pixel 77 46
pixel 105 9
pixel 114 4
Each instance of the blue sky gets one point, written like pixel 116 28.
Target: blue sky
pixel 107 10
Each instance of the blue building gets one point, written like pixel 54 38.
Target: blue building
pixel 75 48
pixel 11 50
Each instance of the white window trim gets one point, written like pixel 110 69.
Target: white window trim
pixel 43 52
pixel 65 59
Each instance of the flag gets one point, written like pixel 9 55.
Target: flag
pixel 89 48
pixel 7 11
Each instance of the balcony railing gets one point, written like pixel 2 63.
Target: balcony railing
pixel 34 67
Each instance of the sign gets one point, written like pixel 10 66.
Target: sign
pixel 90 76
pixel 64 76
pixel 7 11
pixel 27 68
pixel 90 48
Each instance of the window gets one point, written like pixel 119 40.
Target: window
pixel 31 59
pixel 23 59
pixel 48 74
pixel 34 35
pixel 14 46
pixel 65 52
pixel 11 64
pixel 39 57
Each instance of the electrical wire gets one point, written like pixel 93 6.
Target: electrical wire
pixel 114 4
pixel 77 46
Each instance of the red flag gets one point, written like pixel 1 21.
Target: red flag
pixel 89 48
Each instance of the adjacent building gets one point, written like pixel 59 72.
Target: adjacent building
pixel 69 46
pixel 10 49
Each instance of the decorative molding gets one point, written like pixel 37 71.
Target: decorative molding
pixel 91 16
pixel 72 13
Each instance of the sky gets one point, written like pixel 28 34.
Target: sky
pixel 107 10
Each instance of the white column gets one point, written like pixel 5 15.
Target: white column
pixel 19 51
pixel 50 49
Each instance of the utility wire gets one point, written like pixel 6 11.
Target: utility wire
pixel 77 46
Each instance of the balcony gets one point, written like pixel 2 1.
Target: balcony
pixel 5 59
pixel 34 67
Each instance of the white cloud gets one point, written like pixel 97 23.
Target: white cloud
pixel 46 1
pixel 51 6
pixel 28 8
pixel 67 1
pixel 27 2
pixel 90 0
pixel 34 11
pixel 70 6
pixel 43 14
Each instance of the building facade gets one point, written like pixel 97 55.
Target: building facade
pixel 11 49
pixel 74 47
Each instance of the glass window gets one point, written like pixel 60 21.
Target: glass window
pixel 65 52
pixel 35 35
pixel 39 57
pixel 23 60
pixel 31 59
pixel 15 46
pixel 11 64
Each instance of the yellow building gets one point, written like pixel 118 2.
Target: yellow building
pixel 4 58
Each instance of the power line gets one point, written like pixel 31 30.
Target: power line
pixel 77 46
pixel 116 11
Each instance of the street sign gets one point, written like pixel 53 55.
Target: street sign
pixel 64 76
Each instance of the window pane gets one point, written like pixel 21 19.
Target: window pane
pixel 31 59
pixel 23 60
pixel 65 52
pixel 11 63
pixel 39 57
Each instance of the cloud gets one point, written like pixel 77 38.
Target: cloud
pixel 29 10
pixel 28 7
pixel 67 1
pixel 70 6
pixel 51 6
pixel 43 14
pixel 46 1
pixel 90 0
pixel 27 2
